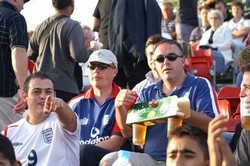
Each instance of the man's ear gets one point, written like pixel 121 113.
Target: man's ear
pixel 183 61
pixel 24 96
pixel 115 72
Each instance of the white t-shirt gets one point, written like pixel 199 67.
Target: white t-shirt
pixel 45 144
pixel 236 26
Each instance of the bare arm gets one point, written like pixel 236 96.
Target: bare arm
pixel 96 24
pixel 125 97
pixel 19 61
pixel 240 32
pixel 198 119
pixel 20 64
pixel 113 144
pixel 65 115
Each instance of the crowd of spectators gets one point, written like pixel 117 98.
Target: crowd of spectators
pixel 51 118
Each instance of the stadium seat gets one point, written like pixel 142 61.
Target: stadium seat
pixel 202 64
pixel 231 94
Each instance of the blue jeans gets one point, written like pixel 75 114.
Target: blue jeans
pixel 228 136
pixel 220 62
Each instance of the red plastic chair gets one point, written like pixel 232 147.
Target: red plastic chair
pixel 248 43
pixel 224 108
pixel 236 115
pixel 232 95
pixel 202 63
pixel 231 124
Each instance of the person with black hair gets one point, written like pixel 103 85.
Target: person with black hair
pixel 152 76
pixel 187 146
pixel 49 132
pixel 222 6
pixel 7 153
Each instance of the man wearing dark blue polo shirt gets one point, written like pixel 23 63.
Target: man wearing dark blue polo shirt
pixel 169 63
pixel 13 60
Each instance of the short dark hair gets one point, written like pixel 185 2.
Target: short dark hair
pixel 153 40
pixel 171 42
pixel 61 4
pixel 245 68
pixel 195 133
pixel 223 2
pixel 243 59
pixel 168 3
pixel 7 150
pixel 38 74
pixel 239 4
pixel 203 7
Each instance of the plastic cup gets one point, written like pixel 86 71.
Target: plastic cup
pixel 245 114
pixel 96 45
pixel 139 134
pixel 174 122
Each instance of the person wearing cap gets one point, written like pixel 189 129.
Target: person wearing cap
pixel 95 108
pixel 13 63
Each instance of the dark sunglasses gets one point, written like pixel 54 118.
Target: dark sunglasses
pixel 100 66
pixel 170 57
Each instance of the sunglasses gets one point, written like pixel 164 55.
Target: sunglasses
pixel 170 57
pixel 100 66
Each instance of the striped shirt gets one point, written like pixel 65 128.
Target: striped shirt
pixel 13 33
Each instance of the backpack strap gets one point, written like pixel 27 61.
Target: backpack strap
pixel 49 27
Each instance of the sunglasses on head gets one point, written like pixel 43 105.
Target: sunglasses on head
pixel 100 66
pixel 170 57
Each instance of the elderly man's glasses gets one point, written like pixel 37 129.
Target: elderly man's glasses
pixel 100 66
pixel 170 57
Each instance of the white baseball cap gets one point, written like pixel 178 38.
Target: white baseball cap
pixel 103 56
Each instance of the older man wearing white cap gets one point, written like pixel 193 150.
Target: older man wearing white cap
pixel 95 108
